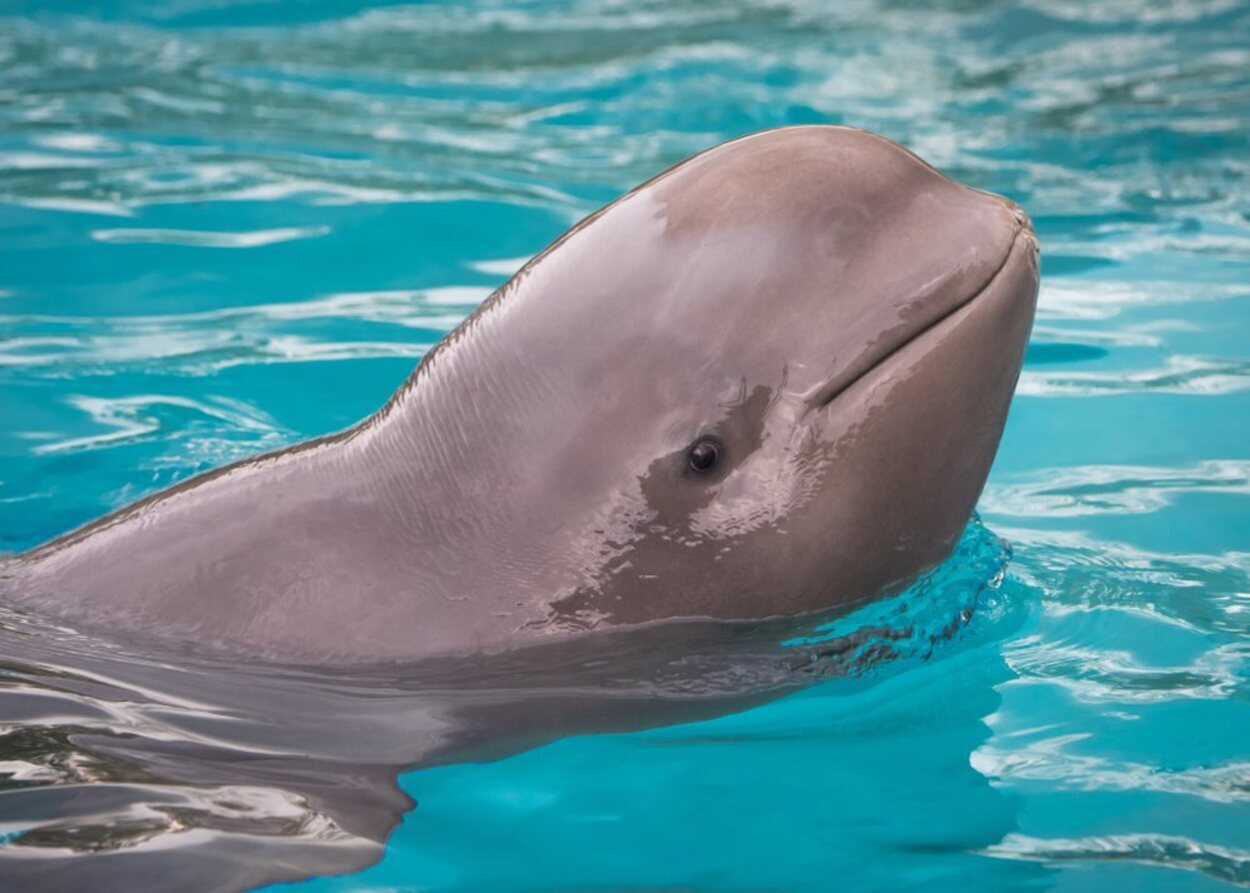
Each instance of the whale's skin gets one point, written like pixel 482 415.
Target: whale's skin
pixel 846 322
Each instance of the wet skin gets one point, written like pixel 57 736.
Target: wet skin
pixel 769 381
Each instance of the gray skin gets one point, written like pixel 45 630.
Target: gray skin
pixel 847 322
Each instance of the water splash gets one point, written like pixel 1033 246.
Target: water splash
pixel 914 625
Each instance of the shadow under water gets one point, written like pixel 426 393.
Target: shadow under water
pixel 139 765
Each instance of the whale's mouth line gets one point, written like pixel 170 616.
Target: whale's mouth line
pixel 823 398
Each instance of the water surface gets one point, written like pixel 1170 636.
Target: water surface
pixel 228 226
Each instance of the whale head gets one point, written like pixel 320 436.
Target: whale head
pixel 770 380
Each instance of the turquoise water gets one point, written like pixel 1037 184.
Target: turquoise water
pixel 225 227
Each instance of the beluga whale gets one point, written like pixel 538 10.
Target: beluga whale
pixel 768 382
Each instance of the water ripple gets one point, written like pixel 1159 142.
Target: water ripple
pixel 1221 863
pixel 1179 375
pixel 198 239
pixel 147 417
pixel 1112 489
pixel 1049 760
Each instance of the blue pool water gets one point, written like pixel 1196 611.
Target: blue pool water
pixel 228 226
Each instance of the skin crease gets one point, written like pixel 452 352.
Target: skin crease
pixel 847 324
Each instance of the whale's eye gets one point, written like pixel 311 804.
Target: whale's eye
pixel 704 454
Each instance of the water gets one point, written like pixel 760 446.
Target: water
pixel 230 226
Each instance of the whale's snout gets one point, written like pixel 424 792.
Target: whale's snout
pixel 924 248
pixel 915 431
